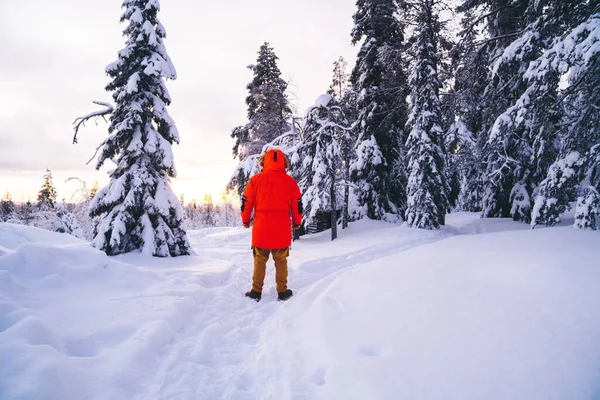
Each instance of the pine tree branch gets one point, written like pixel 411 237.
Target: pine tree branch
pixel 346 183
pixel 469 28
pixel 79 121
pixel 488 41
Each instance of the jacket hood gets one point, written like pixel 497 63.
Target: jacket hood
pixel 275 160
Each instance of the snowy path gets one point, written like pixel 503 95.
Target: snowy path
pixel 217 353
pixel 384 312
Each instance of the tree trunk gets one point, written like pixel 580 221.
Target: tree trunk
pixel 346 216
pixel 333 210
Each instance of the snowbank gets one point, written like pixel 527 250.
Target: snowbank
pixel 507 315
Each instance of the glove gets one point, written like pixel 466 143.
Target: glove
pixel 246 224
pixel 295 226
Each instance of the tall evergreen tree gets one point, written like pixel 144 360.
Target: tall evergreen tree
pixel 341 80
pixel 466 137
pixel 380 83
pixel 463 160
pixel 525 137
pixel 342 91
pixel 427 189
pixel 516 157
pixel 503 21
pixel 47 194
pixel 325 129
pixel 344 95
pixel 138 209
pixel 575 174
pixel 268 115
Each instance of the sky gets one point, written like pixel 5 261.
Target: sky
pixel 54 55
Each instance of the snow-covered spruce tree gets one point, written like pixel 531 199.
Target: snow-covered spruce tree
pixel 138 209
pixel 66 221
pixel 427 189
pixel 49 214
pixel 268 115
pixel 47 194
pixel 227 214
pixel 7 208
pixel 325 128
pixel 83 226
pixel 587 212
pixel 380 84
pixel 446 66
pixel 575 175
pixel 208 212
pixel 342 92
pixel 524 139
pixel 27 212
pixel 190 214
pixel 464 157
pixel 521 152
pixel 466 137
pixel 503 21
pixel 341 80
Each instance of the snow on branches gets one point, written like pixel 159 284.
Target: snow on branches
pixel 138 210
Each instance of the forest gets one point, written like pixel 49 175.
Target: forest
pixel 487 106
pixel 500 117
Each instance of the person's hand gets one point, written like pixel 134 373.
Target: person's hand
pixel 295 226
pixel 246 224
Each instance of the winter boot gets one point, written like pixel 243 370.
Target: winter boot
pixel 254 295
pixel 283 296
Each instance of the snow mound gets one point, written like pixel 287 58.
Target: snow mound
pixel 47 280
pixel 509 314
pixel 12 236
pixel 58 260
pixel 75 323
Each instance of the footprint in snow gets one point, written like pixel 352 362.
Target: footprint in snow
pixel 369 351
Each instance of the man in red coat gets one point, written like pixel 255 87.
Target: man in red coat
pixel 274 197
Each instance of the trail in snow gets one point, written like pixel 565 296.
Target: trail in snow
pixel 215 355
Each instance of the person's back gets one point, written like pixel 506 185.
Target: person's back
pixel 275 197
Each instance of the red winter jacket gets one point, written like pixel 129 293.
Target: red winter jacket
pixel 275 197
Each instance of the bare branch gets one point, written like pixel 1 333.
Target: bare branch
pixel 82 191
pixel 96 152
pixel 74 178
pixel 97 114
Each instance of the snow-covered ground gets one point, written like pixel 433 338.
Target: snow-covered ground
pixel 483 309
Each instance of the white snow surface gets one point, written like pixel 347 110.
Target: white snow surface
pixel 482 309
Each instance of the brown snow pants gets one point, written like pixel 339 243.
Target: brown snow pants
pixel 261 256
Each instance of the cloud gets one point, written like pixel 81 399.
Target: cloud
pixel 53 67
